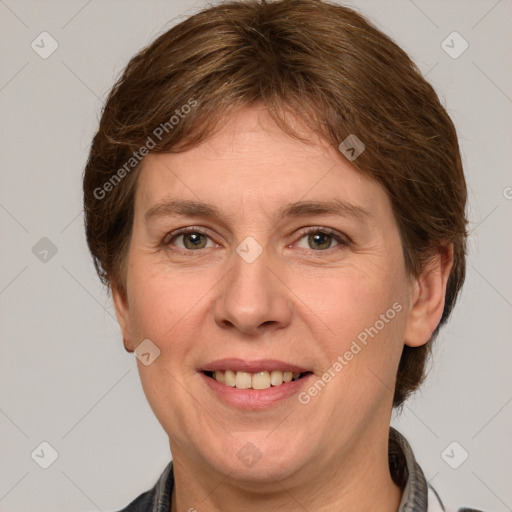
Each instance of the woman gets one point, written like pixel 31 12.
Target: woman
pixel 275 197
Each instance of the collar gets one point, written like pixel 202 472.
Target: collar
pixel 417 495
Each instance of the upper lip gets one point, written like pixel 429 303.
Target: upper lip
pixel 255 366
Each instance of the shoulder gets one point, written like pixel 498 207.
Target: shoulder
pixel 436 505
pixel 418 495
pixel 157 499
pixel 144 503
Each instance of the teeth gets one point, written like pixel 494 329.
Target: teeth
pixel 276 378
pixel 243 380
pixel 229 378
pixel 260 380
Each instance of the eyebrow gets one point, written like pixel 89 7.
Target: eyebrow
pixel 191 208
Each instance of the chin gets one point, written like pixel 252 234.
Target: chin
pixel 258 462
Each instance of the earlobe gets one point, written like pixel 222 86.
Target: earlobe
pixel 122 310
pixel 427 297
pixel 127 345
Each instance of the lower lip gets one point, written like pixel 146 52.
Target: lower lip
pixel 256 398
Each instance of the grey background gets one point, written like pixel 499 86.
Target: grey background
pixel 64 375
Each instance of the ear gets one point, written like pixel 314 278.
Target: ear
pixel 428 297
pixel 122 309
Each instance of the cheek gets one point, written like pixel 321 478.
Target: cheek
pixel 169 308
pixel 156 303
pixel 346 301
pixel 363 318
pixel 366 317
pixel 149 306
pixel 161 309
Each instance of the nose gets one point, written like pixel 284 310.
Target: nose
pixel 254 298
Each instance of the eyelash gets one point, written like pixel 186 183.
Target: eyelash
pixel 343 241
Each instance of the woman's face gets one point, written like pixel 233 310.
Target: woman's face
pixel 275 280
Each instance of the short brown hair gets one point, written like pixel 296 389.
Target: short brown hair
pixel 325 63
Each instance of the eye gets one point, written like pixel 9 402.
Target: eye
pixel 322 239
pixel 316 238
pixel 191 239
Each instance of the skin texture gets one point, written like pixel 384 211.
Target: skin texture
pixel 300 301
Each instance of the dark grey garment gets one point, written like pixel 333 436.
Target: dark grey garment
pixel 418 495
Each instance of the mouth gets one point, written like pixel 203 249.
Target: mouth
pixel 254 384
pixel 258 380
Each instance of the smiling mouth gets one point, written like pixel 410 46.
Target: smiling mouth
pixel 259 380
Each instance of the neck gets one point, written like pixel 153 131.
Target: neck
pixel 350 482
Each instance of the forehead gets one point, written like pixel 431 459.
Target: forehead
pixel 250 163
